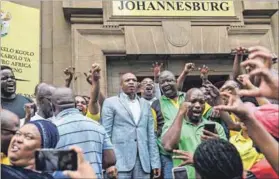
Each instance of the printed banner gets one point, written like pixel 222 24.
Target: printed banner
pixel 20 44
pixel 173 8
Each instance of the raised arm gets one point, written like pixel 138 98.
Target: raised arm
pixel 156 72
pixel 236 63
pixel 93 106
pixel 187 69
pixel 204 74
pixel 102 97
pixel 263 140
pixel 171 138
pixel 224 115
pixel 69 72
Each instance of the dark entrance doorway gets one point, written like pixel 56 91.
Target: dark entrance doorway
pixel 196 82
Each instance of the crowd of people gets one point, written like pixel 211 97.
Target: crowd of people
pixel 150 127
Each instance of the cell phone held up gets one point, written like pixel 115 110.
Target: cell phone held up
pixel 50 160
pixel 179 173
pixel 210 127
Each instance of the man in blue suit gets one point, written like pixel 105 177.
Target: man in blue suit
pixel 129 123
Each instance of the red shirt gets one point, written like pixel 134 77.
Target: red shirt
pixel 263 169
pixel 268 115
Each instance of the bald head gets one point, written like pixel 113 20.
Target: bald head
pixel 63 98
pixel 165 74
pixel 9 119
pixel 38 87
pixel 195 92
pixel 44 91
pixel 196 98
pixel 9 125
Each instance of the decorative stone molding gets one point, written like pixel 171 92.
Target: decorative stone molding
pixel 178 33
pixel 235 30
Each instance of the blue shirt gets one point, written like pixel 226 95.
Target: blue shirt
pixel 90 136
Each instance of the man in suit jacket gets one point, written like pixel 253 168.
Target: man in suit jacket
pixel 128 122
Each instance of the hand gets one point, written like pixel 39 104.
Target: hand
pixel 69 72
pixel 156 172
pixel 207 135
pixel 88 77
pixel 245 81
pixel 95 72
pixel 262 54
pixel 184 107
pixel 236 106
pixel 269 86
pixel 240 51
pixel 204 72
pixel 84 170
pixel 112 172
pixel 211 89
pixel 186 157
pixel 29 111
pixel 157 69
pixel 189 67
pixel 215 114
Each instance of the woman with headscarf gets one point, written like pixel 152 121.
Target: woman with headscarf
pixel 33 135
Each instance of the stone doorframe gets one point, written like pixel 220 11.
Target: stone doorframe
pixel 96 34
pixel 91 44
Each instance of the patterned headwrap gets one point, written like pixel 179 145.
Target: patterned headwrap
pixel 49 133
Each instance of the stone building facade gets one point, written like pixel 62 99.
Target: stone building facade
pixel 79 32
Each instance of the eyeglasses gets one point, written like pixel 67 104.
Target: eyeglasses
pixel 8 130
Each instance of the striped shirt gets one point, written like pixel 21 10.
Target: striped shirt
pixel 90 136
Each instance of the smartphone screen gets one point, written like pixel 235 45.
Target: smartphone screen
pixel 210 127
pixel 50 160
pixel 179 173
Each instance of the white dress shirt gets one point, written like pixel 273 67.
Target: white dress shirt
pixel 134 106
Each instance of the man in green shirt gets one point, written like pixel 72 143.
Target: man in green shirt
pixel 187 130
pixel 164 111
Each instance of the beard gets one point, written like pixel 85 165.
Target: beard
pixel 194 119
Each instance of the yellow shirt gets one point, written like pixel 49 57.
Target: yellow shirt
pixel 234 119
pixel 248 153
pixel 206 108
pixel 95 117
pixel 5 160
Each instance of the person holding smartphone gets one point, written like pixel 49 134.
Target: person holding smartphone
pixel 188 131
